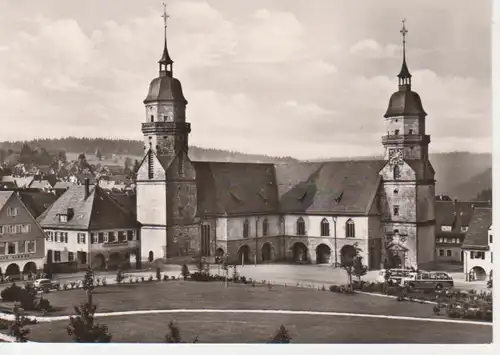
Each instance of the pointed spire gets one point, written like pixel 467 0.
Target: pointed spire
pixel 166 63
pixel 404 75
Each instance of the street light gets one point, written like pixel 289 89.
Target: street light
pixel 335 237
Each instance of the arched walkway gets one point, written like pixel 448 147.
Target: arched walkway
pixel 299 251
pixel 478 273
pixel 347 254
pixel 244 254
pixel 115 260
pixel 13 270
pixel 219 255
pixel 267 252
pixel 30 267
pixel 99 262
pixel 323 253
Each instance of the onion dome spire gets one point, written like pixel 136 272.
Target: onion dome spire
pixel 166 63
pixel 404 75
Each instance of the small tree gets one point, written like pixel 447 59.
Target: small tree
pixel 348 263
pixel 119 275
pixel 17 327
pixel 359 269
pixel 83 329
pixel 185 271
pixel 281 336
pixel 174 334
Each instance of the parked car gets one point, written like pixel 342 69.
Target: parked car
pixel 395 275
pixel 428 280
pixel 45 285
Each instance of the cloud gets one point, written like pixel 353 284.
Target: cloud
pixel 309 108
pixel 372 49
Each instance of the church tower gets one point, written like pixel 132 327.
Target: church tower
pixel 166 180
pixel 408 219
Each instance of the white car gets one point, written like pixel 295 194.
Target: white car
pixel 395 275
pixel 43 284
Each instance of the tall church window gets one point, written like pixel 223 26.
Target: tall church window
pixel 396 172
pixel 396 210
pixel 265 227
pixel 301 226
pixel 152 118
pixel 350 231
pixel 325 228
pixel 246 228
pixel 151 256
pixel 205 239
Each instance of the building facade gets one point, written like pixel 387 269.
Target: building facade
pixel 478 246
pixel 301 212
pixel 22 240
pixel 87 227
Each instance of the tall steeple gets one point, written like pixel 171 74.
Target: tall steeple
pixel 404 75
pixel 166 63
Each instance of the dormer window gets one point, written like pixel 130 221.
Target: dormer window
pixel 464 229
pixel 63 218
pixel 446 228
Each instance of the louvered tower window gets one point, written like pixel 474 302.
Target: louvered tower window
pixel 150 165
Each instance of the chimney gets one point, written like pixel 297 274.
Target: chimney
pixel 87 187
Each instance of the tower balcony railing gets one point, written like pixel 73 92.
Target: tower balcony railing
pixel 406 138
pixel 166 127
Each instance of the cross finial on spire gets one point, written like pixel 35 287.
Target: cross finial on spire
pixel 404 74
pixel 165 15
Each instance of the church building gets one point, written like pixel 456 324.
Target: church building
pixel 298 212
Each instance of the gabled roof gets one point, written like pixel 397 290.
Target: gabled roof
pixel 37 202
pixel 332 187
pixel 4 197
pixel 97 211
pixel 455 214
pixel 40 184
pixel 477 235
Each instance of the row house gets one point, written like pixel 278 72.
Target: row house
pixel 22 240
pixel 478 246
pixel 87 227
pixel 452 223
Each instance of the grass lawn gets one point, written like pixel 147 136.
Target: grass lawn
pixel 258 328
pixel 227 327
pixel 195 295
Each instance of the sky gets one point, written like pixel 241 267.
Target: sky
pixel 308 79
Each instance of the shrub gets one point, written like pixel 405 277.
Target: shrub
pixel 28 297
pixel 44 305
pixel 119 276
pixel 243 279
pixel 185 271
pixel 98 282
pixel 104 282
pixel 4 324
pixel 142 278
pixel 65 287
pixel 150 278
pixel 73 284
pixel 83 329
pixel 165 277
pixel 172 277
pixel 281 336
pixel 323 288
pixel 13 293
pixel 136 280
pixel 174 334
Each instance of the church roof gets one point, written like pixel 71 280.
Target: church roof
pixel 477 235
pixel 340 187
pixel 346 187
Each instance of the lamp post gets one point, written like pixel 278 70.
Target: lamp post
pixel 335 238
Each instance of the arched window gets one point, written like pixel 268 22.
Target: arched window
pixel 325 228
pixel 282 225
pixel 349 229
pixel 396 172
pixel 301 226
pixel 265 227
pixel 246 227
pixel 205 239
pixel 151 256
